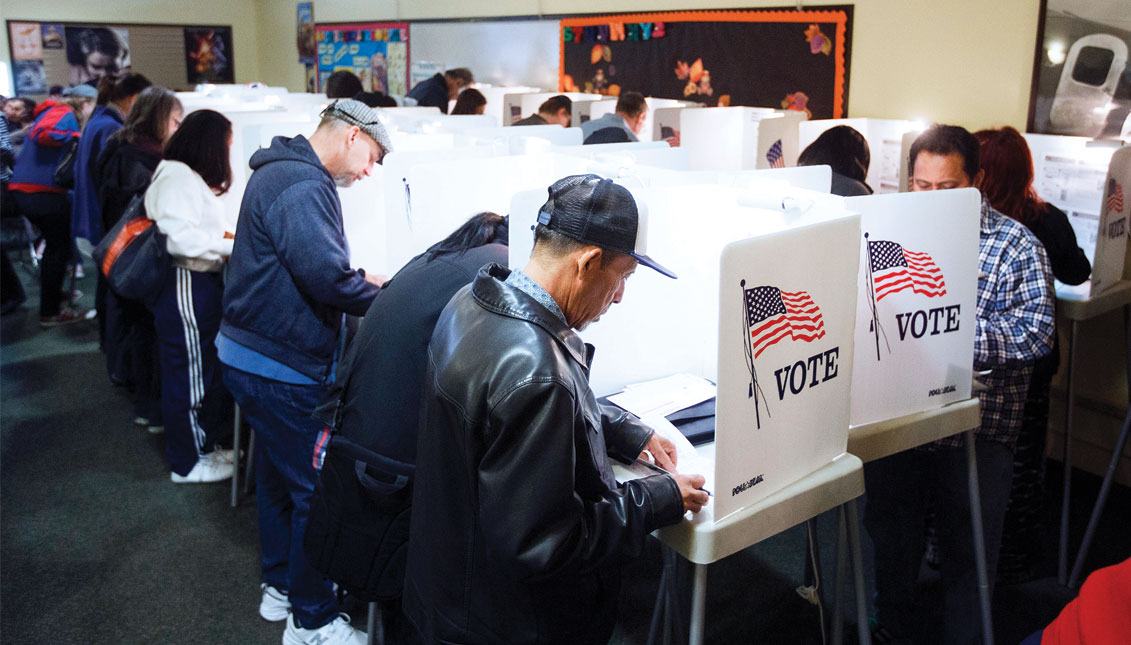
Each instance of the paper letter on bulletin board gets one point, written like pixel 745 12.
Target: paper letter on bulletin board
pixel 377 52
pixel 795 60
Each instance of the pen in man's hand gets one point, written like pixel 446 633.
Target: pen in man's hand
pixel 652 466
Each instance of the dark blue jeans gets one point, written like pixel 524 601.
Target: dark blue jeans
pixel 284 477
pixel 897 491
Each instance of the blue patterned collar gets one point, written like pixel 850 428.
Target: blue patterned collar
pixel 527 285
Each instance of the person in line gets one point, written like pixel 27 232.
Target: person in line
pixel 441 88
pixel 115 98
pixel 470 101
pixel 38 198
pixel 289 282
pixel 845 150
pixel 1014 326
pixel 1007 182
pixel 183 200
pixel 622 125
pixel 377 396
pixel 518 527
pixel 554 110
pixel 376 99
pixel 122 173
pixel 12 294
pixel 342 84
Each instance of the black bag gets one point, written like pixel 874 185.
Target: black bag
pixel 133 256
pixel 65 169
pixel 357 530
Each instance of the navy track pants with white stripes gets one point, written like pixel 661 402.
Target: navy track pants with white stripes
pixel 194 402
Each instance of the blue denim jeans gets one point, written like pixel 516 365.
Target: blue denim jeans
pixel 284 476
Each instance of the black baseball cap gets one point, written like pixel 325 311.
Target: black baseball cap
pixel 598 211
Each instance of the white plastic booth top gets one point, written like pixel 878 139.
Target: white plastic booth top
pixel 885 144
pixel 740 138
pixel 520 106
pixel 495 95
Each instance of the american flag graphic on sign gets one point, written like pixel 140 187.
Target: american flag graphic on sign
pixel 774 155
pixel 773 315
pixel 895 268
pixel 1114 196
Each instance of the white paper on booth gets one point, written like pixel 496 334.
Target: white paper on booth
pixel 664 396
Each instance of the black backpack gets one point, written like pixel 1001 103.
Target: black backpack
pixel 357 531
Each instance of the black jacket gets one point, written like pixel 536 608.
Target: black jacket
pixel 122 171
pixel 519 528
pixel 431 92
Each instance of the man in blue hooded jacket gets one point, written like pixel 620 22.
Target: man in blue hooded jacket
pixel 289 282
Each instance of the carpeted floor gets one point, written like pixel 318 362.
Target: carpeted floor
pixel 97 546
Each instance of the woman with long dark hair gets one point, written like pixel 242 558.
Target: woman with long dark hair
pixel 184 202
pixel 845 150
pixel 122 172
pixel 1007 183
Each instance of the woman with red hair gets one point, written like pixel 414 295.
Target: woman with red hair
pixel 1008 185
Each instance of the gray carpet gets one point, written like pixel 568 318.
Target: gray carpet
pixel 98 546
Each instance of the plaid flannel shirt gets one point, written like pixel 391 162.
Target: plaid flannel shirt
pixel 1015 321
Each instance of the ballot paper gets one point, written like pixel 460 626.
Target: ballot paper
pixel 664 396
pixel 688 459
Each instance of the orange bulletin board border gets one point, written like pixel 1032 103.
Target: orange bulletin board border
pixel 840 17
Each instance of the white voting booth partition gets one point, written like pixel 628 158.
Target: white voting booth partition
pixel 1070 173
pixel 665 121
pixel 495 96
pixel 740 138
pixel 528 103
pixel 885 144
pixel 1111 259
pixel 915 314
pixel 779 346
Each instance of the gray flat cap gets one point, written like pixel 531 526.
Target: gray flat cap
pixel 359 114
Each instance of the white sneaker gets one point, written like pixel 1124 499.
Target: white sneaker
pixel 223 456
pixel 206 470
pixel 336 632
pixel 275 605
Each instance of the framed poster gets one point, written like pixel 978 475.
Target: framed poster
pixel 307 49
pixel 377 52
pixel 96 51
pixel 1082 72
pixel 797 60
pixel 208 55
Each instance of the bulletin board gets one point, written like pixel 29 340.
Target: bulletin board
pixel 175 56
pixel 378 52
pixel 796 60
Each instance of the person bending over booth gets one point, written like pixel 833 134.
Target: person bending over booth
pixel 621 126
pixel 556 110
pixel 519 529
pixel 441 88
pixel 1014 327
pixel 289 282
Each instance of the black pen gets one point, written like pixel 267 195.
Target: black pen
pixel 656 468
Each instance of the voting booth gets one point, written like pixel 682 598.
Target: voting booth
pixel 648 132
pixel 885 145
pixel 774 295
pixel 740 138
pixel 520 105
pixel 1111 257
pixel 915 314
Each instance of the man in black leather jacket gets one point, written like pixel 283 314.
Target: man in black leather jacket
pixel 519 529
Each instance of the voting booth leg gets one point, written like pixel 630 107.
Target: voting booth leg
pixel 1098 510
pixel 862 630
pixel 979 540
pixel 374 625
pixel 838 588
pixel 698 605
pixel 1069 405
pixel 236 425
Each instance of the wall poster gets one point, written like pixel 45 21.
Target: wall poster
pixel 96 51
pixel 377 52
pixel 797 60
pixel 307 48
pixel 1082 72
pixel 208 55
